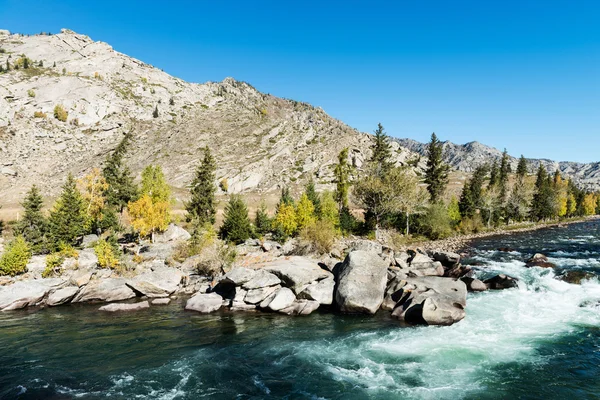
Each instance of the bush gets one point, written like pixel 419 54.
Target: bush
pixel 436 223
pixel 60 113
pixel 30 93
pixel 108 256
pixel 262 222
pixel 15 257
pixel 472 224
pixel 39 114
pixel 285 223
pixel 54 264
pixel 319 237
pixel 224 185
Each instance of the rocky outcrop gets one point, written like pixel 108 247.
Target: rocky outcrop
pixel 361 282
pixel 296 272
pixel 62 296
pixel 172 234
pixel 26 293
pixel 160 282
pixel 106 290
pixel 204 303
pixel 116 307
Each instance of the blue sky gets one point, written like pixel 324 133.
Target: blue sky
pixel 524 75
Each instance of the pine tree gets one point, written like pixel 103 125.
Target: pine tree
pixel 436 174
pixel 382 151
pixel 286 197
pixel 236 226
pixel 7 66
pixel 542 203
pixel 67 218
pixel 342 176
pixel 494 175
pixel 33 226
pixel 471 198
pixel 202 205
pixel 121 187
pixel 25 63
pixel 504 172
pixel 155 112
pixel 522 167
pixel 313 196
pixel 262 221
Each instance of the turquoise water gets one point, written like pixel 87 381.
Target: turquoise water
pixel 541 340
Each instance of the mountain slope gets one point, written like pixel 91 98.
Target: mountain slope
pixel 467 157
pixel 261 142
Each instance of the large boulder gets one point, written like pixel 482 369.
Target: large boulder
pixel 431 301
pixel 36 266
pixel 501 281
pixel 296 272
pixel 301 307
pixel 62 296
pixel 365 245
pixel 26 293
pixel 256 296
pixel 238 276
pixel 111 289
pixel 160 282
pixel 474 284
pixel 576 276
pixel 539 260
pixel 114 307
pixel 87 259
pixel 361 282
pixel 321 291
pixel 89 240
pixel 172 234
pixel 80 277
pixel 447 258
pixel 261 279
pixel 204 303
pixel 283 298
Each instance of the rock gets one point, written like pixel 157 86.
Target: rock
pixel 265 303
pixel 36 266
pixel 23 294
pixel 62 296
pixel 172 234
pixel 161 282
pixel 240 295
pixel 501 281
pixel 365 245
pixel 361 282
pixel 417 257
pixel 80 278
pixel 256 296
pixel 238 276
pixel 161 302
pixel 447 258
pixel 284 298
pixel 89 240
pixel 160 251
pixel 114 307
pixel 111 289
pixel 321 291
pixel 401 259
pixel 204 303
pixel 241 306
pixel 301 307
pixel 431 301
pixel 576 276
pixel 539 260
pixel 474 285
pixel 428 268
pixel 261 279
pixel 506 249
pixel 289 246
pixel 297 272
pixel 87 259
pixel 458 271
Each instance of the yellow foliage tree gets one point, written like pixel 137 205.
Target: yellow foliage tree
pixel 329 209
pixel 149 217
pixel 589 204
pixel 93 187
pixel 285 220
pixel 305 212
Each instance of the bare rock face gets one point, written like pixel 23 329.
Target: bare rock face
pixel 26 293
pixel 106 290
pixel 161 282
pixel 204 303
pixel 297 272
pixel 62 296
pixel 361 282
pixel 117 307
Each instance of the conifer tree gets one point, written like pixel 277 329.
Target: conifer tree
pixel 155 112
pixel 121 187
pixel 472 194
pixel 542 203
pixel 262 221
pixel 436 174
pixel 522 167
pixel 503 174
pixel 313 196
pixel 67 218
pixel 202 205
pixel 382 151
pixel 342 176
pixel 494 172
pixel 286 197
pixel 33 226
pixel 236 226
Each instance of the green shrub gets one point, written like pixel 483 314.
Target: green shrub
pixel 436 223
pixel 108 256
pixel 30 93
pixel 15 257
pixel 224 185
pixel 319 236
pixel 54 264
pixel 39 114
pixel 472 224
pixel 60 113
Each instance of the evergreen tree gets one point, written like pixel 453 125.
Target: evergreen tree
pixel 68 218
pixel 7 66
pixel 382 151
pixel 25 63
pixel 472 194
pixel 342 176
pixel 313 196
pixel 236 226
pixel 504 172
pixel 286 197
pixel 262 222
pixel 522 167
pixel 33 226
pixel 202 204
pixel 155 112
pixel 121 187
pixel 542 203
pixel 1 69
pixel 436 174
pixel 494 172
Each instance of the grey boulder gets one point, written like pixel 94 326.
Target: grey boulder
pixel 321 291
pixel 111 289
pixel 204 303
pixel 160 282
pixel 297 272
pixel 283 298
pixel 26 293
pixel 114 307
pixel 62 296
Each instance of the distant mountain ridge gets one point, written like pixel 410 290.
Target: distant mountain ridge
pixel 466 157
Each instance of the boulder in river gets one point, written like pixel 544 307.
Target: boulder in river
pixel 283 298
pixel 361 282
pixel 321 291
pixel 111 289
pixel 539 260
pixel 301 307
pixel 501 281
pixel 576 276
pixel 114 307
pixel 160 282
pixel 447 258
pixel 474 284
pixel 297 272
pixel 62 296
pixel 204 303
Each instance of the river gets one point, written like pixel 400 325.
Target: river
pixel 538 341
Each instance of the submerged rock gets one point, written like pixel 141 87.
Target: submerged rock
pixel 576 276
pixel 539 260
pixel 301 307
pixel 204 303
pixel 114 307
pixel 361 282
pixel 501 281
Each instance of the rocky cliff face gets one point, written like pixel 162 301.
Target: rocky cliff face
pixel 262 142
pixel 467 157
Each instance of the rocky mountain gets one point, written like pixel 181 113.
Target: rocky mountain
pixel 467 157
pixel 261 142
